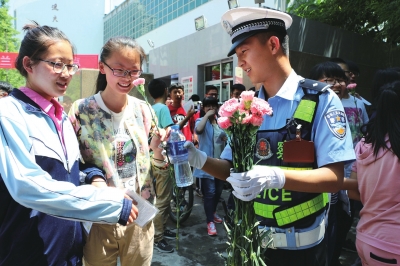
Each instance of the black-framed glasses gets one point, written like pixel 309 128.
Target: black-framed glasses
pixel 356 74
pixel 122 72
pixel 334 81
pixel 215 95
pixel 59 67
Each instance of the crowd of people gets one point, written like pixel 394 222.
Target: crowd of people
pixel 67 168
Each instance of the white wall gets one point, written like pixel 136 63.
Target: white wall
pixel 184 25
pixel 81 21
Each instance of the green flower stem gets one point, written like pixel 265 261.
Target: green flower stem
pixel 140 88
pixel 245 240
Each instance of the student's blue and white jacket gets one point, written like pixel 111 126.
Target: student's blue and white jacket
pixel 41 202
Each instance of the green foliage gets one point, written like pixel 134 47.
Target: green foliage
pixel 8 43
pixel 13 77
pixel 378 19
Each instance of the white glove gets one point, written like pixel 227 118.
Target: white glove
pixel 196 158
pixel 248 185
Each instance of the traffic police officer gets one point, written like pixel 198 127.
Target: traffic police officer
pixel 303 109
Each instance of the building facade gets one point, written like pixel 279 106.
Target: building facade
pixel 178 52
pixel 176 37
pixel 81 21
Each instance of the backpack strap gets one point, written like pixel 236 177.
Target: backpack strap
pixel 314 85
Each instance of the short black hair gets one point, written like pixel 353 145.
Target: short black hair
pixel 210 101
pixel 175 86
pixel 210 87
pixel 338 60
pixel 328 69
pixel 239 87
pixel 5 86
pixel 353 67
pixel 194 98
pixel 157 88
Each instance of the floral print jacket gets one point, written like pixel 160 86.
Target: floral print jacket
pixel 93 127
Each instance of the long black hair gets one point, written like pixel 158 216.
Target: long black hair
pixel 386 120
pixel 382 77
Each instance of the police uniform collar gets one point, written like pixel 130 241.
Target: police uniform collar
pixel 243 22
pixel 288 89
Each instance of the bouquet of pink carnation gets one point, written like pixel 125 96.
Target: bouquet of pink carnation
pixel 241 120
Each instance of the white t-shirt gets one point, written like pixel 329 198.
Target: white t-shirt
pixel 124 155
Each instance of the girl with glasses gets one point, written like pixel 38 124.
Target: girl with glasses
pixel 41 205
pixel 113 129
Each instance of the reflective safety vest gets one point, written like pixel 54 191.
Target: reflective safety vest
pixel 280 207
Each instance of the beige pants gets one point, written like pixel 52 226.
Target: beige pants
pixel 105 243
pixel 163 191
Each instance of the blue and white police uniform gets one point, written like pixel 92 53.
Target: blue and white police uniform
pixel 332 139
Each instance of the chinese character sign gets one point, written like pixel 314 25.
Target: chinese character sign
pixel 187 82
pixel 7 60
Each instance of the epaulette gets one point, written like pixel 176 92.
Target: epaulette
pixel 314 85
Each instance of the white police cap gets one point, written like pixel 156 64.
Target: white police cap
pixel 244 22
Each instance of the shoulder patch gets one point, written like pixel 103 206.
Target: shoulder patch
pixel 336 121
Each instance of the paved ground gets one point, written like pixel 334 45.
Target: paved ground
pixel 197 248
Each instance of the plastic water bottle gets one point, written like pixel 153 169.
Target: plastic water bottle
pixel 179 155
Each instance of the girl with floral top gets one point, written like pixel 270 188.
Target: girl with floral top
pixel 113 130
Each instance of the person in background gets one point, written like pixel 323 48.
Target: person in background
pixel 211 91
pixel 212 140
pixel 41 202
pixel 343 64
pixel 375 181
pixel 159 91
pixel 5 89
pixel 200 113
pixel 179 116
pixel 340 216
pixel 236 90
pixel 259 40
pixel 113 130
pixel 357 114
pixel 353 71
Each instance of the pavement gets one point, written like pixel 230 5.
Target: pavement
pixel 196 248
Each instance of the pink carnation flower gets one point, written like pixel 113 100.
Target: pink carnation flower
pixel 246 98
pixel 229 107
pixel 224 122
pixel 351 86
pixel 256 120
pixel 260 107
pixel 247 119
pixel 139 81
pixel 247 95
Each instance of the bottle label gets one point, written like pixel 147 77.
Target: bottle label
pixel 177 148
